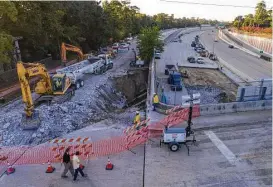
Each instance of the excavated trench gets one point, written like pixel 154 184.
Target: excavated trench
pixel 133 86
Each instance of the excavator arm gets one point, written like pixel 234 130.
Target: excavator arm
pixel 67 47
pixel 25 72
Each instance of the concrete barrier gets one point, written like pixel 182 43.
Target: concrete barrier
pixel 247 47
pixel 225 108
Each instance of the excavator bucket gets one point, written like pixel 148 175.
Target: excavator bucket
pixel 32 122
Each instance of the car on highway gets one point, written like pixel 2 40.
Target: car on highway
pixel 199 50
pixel 115 46
pixel 123 46
pixel 215 40
pixel 191 59
pixel 195 48
pixel 200 46
pixel 128 42
pixel 200 60
pixel 231 46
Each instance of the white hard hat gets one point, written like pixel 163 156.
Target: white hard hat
pixel 154 93
pixel 137 112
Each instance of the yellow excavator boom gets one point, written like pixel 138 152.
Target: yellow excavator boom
pixel 25 72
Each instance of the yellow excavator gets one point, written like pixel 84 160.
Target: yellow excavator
pixel 67 47
pixel 47 87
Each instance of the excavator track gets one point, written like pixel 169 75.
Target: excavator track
pixel 51 99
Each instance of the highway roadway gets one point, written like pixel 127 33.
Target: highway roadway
pixel 249 65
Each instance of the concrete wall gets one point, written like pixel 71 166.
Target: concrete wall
pixel 260 43
pixel 246 46
pixel 224 108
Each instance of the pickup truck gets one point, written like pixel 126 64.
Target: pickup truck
pixel 175 81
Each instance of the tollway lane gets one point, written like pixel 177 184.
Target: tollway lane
pixel 254 67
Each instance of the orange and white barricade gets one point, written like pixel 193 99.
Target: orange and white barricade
pixel 134 127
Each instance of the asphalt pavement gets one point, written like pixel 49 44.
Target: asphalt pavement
pixel 234 150
pixel 252 66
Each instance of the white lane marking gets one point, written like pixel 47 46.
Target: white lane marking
pixel 222 147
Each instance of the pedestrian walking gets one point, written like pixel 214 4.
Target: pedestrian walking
pixel 76 166
pixel 67 164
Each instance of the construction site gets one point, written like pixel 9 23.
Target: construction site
pixel 188 117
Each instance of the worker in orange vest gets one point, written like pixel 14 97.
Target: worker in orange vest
pixel 155 101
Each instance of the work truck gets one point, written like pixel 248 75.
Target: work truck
pixel 92 65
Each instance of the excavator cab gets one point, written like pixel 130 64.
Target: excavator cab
pixel 60 84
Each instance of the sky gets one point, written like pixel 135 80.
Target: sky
pixel 152 7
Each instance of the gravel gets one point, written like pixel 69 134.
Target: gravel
pixel 209 94
pixel 97 100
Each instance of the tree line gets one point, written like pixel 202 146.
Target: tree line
pixel 88 24
pixel 261 18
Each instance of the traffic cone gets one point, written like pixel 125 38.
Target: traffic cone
pixel 10 169
pixel 50 169
pixel 109 165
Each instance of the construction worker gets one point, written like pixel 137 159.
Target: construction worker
pixel 137 118
pixel 155 101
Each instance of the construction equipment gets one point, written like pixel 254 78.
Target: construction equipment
pixel 175 80
pixel 204 53
pixel 67 47
pixel 108 51
pixel 93 65
pixel 136 62
pixel 47 87
pixel 174 137
pixel 212 56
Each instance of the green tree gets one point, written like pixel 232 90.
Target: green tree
pixel 149 39
pixel 248 20
pixel 8 12
pixel 260 14
pixel 238 21
pixel 5 47
pixel 269 18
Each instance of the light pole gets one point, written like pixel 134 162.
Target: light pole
pixel 190 100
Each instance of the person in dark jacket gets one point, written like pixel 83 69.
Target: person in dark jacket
pixel 67 164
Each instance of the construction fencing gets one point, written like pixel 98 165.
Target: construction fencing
pixel 52 151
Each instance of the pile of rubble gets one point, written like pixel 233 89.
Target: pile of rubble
pixel 209 94
pixel 97 100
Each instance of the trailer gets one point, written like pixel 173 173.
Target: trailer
pixel 92 65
